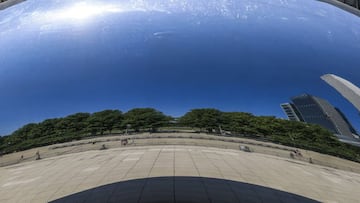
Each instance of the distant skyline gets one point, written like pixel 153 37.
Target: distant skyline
pixel 62 57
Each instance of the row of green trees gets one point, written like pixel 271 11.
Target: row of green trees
pixel 238 124
pixel 269 128
pixel 80 125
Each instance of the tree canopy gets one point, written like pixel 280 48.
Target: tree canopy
pixel 208 119
pixel 106 120
pixel 147 118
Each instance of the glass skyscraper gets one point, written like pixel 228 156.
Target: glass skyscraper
pixel 315 110
pixel 291 112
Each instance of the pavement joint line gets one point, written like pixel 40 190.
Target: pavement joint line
pixel 174 161
pixel 44 169
pixel 119 163
pixel 201 179
pixel 148 175
pixel 222 176
pixel 236 171
pixel 59 188
pixel 83 179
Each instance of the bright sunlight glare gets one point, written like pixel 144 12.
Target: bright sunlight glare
pixel 83 10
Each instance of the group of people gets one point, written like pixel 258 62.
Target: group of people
pixel 295 152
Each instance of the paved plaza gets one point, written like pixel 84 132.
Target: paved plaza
pixel 174 174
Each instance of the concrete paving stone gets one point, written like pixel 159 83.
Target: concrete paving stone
pixel 90 181
pixel 123 165
pixel 7 199
pixel 139 170
pixel 350 199
pixel 144 165
pixel 83 187
pixel 26 197
pixel 166 158
pixel 65 191
pixel 113 177
pixel 49 189
pixel 254 179
pixel 234 177
pixel 163 165
pixel 59 195
pixel 159 173
pixel 182 161
pixel 115 171
pixel 186 169
pixel 166 155
pixel 75 181
pixel 210 174
pixel 203 161
pixel 87 173
pixel 127 178
pixel 6 193
pixel 184 151
pixel 38 200
pixel 137 175
pixel 199 156
pixel 190 166
pixel 169 167
pixel 107 182
pixel 225 168
pixel 21 200
pixel 169 159
pixel 44 194
pixel 207 168
pixel 187 173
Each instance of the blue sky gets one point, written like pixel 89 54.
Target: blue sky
pixel 56 63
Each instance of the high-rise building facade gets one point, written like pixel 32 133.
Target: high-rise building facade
pixel 345 88
pixel 352 129
pixel 291 112
pixel 315 110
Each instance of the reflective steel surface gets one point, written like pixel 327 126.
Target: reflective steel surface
pixel 61 56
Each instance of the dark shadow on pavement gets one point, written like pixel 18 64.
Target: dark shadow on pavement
pixel 182 190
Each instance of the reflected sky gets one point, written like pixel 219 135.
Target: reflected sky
pixel 59 57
